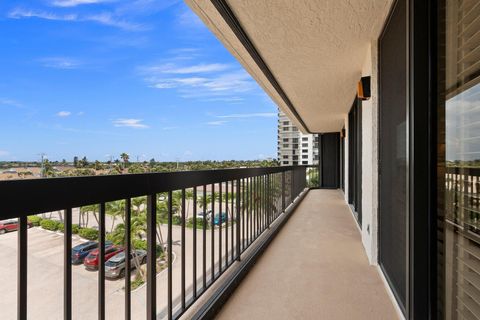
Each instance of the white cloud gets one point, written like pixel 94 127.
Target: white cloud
pixel 20 13
pixel 188 18
pixel 223 84
pixel 10 102
pixel 106 19
pixel 216 123
pixel 249 115
pixel 131 123
pixel 74 3
pixel 63 114
pixel 171 68
pixel 60 63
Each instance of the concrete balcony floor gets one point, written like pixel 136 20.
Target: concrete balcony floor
pixel 316 268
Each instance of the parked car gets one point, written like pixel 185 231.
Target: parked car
pixel 82 250
pixel 11 225
pixel 115 267
pixel 202 215
pixel 220 218
pixel 91 260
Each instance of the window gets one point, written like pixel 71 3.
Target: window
pixel 459 190
pixel 285 128
pixel 315 157
pixel 285 157
pixel 295 140
pixel 305 139
pixel 295 157
pixel 285 145
pixel 295 146
pixel 305 150
pixel 305 156
pixel 295 163
pixel 294 129
pixel 304 162
pixel 285 139
pixel 304 145
pixel 285 162
pixel 285 123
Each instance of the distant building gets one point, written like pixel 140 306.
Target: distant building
pixel 294 147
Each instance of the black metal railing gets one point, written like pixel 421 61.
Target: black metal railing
pixel 313 176
pixel 243 204
pixel 462 197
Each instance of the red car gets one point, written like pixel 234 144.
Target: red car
pixel 11 225
pixel 91 261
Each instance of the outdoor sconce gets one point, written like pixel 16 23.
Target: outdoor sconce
pixel 363 89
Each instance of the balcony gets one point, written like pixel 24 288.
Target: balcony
pixel 248 206
pixel 316 268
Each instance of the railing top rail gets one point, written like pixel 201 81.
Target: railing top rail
pixel 32 196
pixel 471 171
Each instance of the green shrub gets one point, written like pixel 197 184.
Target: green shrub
pixel 61 227
pixel 88 233
pixel 75 228
pixel 51 225
pixel 35 220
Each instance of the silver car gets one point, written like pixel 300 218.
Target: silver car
pixel 115 266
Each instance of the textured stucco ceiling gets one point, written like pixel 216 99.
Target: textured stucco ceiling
pixel 314 48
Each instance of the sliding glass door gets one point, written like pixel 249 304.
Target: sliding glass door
pixel 459 157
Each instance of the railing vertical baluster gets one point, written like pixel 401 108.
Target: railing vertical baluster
pixel 226 224
pixel 194 243
pixel 22 269
pixel 249 211
pixel 128 262
pixel 212 242
pixel 170 257
pixel 262 204
pixel 269 204
pixel 247 204
pixel 238 219
pixel 67 266
pixel 204 237
pixel 283 191
pixel 243 214
pixel 232 252
pixel 101 263
pixel 151 257
pixel 183 250
pixel 252 202
pixel 220 216
pixel 256 207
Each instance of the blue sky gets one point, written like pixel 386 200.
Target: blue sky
pixel 100 77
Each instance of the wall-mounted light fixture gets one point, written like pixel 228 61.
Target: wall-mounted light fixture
pixel 363 89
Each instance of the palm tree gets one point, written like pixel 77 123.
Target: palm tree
pixel 115 209
pixel 93 208
pixel 125 158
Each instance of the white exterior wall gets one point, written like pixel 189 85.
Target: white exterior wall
pixel 369 159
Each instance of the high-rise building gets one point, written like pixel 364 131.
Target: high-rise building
pixel 294 147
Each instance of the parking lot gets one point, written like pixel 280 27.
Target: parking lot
pixel 45 278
